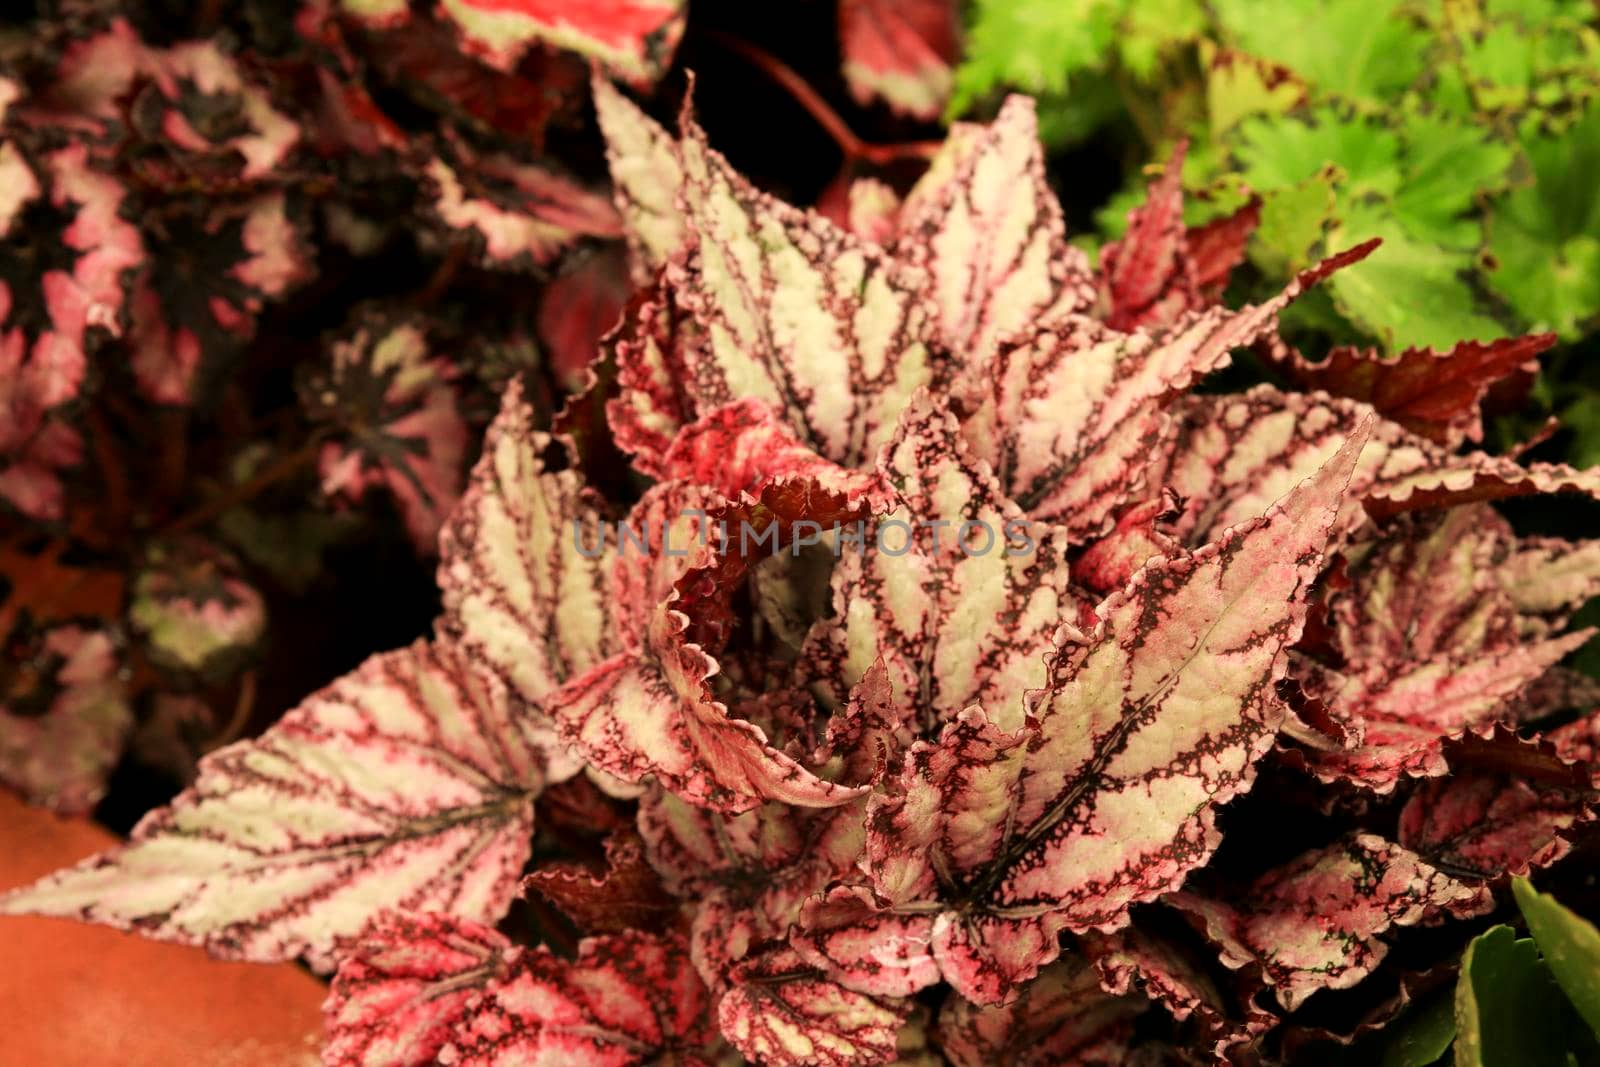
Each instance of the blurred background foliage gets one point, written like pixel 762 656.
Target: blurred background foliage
pixel 1465 133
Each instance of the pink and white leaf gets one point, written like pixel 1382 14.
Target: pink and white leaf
pixel 925 592
pixel 1548 579
pixel 1072 415
pixel 900 53
pixel 1159 716
pixel 398 421
pixel 654 347
pixel 634 39
pixel 649 711
pixel 1431 645
pixel 1488 824
pixel 436 989
pixel 1106 796
pixel 523 576
pixel 745 446
pixel 828 329
pixel 987 232
pixel 1234 454
pixel 1061 1017
pixel 189 77
pixel 646 180
pixel 783 1013
pixel 404 987
pixel 855 942
pixel 408 783
pixel 194 609
pixel 518 215
pixel 1317 922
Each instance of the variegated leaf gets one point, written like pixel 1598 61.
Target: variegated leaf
pixel 847 936
pixel 194 610
pixel 646 178
pixel 1430 644
pixel 1062 1017
pixel 517 215
pixel 955 590
pixel 404 987
pixel 1106 797
pixel 397 420
pixel 782 1013
pixel 1160 715
pixel 1548 579
pixel 649 710
pixel 1133 961
pixel 1174 974
pixel 1486 825
pixel 1072 416
pixel 190 83
pixel 632 38
pixel 1317 923
pixel 1139 534
pixel 523 568
pixel 433 989
pixel 744 447
pixel 873 211
pixel 1235 454
pixel 750 873
pixel 653 347
pixel 408 783
pixel 987 231
pixel 901 53
pixel 826 328
pixel 1159 270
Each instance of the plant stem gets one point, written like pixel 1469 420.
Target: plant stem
pixel 821 111
pixel 243 706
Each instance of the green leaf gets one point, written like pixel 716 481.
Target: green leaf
pixel 1509 1010
pixel 1408 292
pixel 1152 28
pixel 1294 219
pixel 1421 1035
pixel 1032 45
pixel 1571 947
pixel 1448 165
pixel 1357 49
pixel 1276 152
pixel 1546 236
pixel 1238 86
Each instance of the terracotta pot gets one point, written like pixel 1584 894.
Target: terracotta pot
pixel 74 995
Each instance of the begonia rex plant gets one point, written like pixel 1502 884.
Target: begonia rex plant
pixel 921 674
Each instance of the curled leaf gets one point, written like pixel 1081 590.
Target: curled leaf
pixel 1317 922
